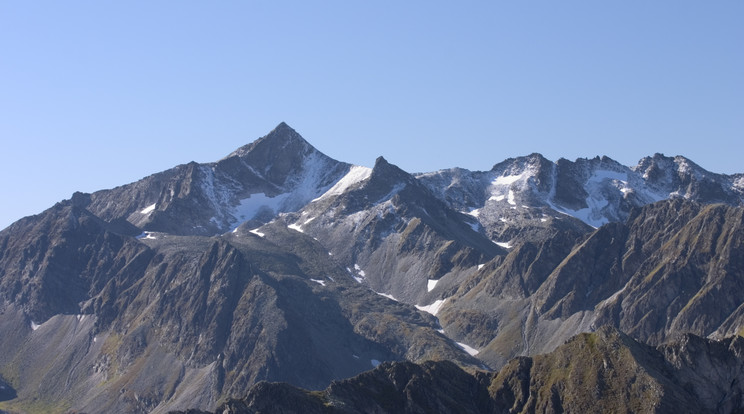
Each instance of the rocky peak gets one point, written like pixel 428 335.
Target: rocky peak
pixel 680 177
pixel 279 155
pixel 664 171
pixel 601 163
pixel 385 181
pixel 534 162
pixel 384 171
pixel 280 136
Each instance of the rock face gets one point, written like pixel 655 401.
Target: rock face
pixel 605 371
pixel 278 263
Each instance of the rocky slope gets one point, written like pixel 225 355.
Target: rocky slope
pixel 278 263
pixel 186 320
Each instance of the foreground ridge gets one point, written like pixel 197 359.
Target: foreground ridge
pixel 605 371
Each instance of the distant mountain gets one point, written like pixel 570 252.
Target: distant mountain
pixel 596 191
pixel 278 263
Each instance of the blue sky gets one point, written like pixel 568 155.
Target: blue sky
pixel 98 94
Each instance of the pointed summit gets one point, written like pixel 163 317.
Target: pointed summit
pixel 282 154
pixel 386 177
pixel 283 127
pixel 280 137
pixel 383 168
pixel 283 133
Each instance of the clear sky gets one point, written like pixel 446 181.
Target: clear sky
pixel 97 94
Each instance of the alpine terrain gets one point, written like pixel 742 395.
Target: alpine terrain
pixel 278 279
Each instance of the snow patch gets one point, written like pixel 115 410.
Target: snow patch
pixel 355 175
pixel 147 236
pixel 469 349
pixel 318 281
pixel 480 266
pixel 595 201
pixel 430 284
pixel 149 209
pixel 258 233
pixel 506 245
pixel 296 227
pixel 360 273
pixel 248 208
pixel 509 179
pixel 511 199
pixel 34 326
pixel 387 295
pixel 595 213
pixel 432 308
pixel 474 213
pixel 739 182
pixel 298 190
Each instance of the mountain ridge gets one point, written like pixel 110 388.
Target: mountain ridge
pixel 278 263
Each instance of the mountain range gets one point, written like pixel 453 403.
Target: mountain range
pixel 193 287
